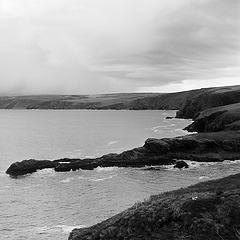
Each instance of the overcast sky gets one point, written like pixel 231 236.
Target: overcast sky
pixel 102 46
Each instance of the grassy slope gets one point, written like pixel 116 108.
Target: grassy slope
pixel 68 101
pixel 217 119
pixel 208 210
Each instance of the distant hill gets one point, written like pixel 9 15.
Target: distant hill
pixel 211 108
pixel 188 102
pixel 99 101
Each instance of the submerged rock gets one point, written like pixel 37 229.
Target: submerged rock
pixel 181 164
pixel 197 212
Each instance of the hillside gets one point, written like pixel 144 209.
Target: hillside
pixel 208 210
pixel 210 98
pixel 188 102
pixel 100 101
pixel 226 117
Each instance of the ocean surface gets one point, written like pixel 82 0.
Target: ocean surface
pixel 48 204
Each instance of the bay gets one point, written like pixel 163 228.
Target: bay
pixel 47 204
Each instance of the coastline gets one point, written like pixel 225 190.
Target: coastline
pixel 218 139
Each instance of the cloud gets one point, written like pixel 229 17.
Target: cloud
pixel 92 46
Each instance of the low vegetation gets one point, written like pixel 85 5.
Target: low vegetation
pixel 208 210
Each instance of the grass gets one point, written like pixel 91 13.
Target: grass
pixel 208 210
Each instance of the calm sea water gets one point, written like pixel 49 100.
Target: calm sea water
pixel 47 204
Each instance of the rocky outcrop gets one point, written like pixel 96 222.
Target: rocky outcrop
pixel 29 166
pixel 208 210
pixel 181 164
pixel 203 147
pixel 217 119
pixel 209 98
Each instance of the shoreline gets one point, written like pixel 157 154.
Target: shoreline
pixel 200 147
pixel 206 209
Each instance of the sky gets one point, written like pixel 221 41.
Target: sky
pixel 106 46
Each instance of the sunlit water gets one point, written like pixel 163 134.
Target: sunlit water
pixel 48 204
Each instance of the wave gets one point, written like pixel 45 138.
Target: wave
pixel 157 168
pixel 193 164
pixel 96 179
pixel 106 169
pixel 102 179
pixel 203 177
pixel 68 229
pixel 3 174
pixel 112 142
pixel 57 228
pixel 67 180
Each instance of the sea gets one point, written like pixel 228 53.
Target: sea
pixel 48 204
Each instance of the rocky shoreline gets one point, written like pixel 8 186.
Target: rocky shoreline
pixel 202 147
pixel 218 136
pixel 209 210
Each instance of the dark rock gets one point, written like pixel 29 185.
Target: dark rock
pixel 208 98
pixel 202 147
pixel 169 117
pixel 181 164
pixel 157 145
pixel 29 166
pixel 217 119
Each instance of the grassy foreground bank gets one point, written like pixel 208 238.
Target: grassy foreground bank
pixel 205 211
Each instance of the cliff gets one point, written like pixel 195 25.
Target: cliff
pixel 208 210
pixel 217 119
pixel 210 98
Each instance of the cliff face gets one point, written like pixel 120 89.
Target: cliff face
pixel 217 119
pixel 209 210
pixel 210 98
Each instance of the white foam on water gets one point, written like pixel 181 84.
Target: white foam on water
pixel 155 127
pixel 68 229
pixel 45 171
pixel 57 228
pixel 193 164
pixel 203 177
pixel 158 168
pixel 3 174
pixel 102 179
pixel 112 142
pixel 67 180
pixel 106 169
pixel 231 162
pixel 96 179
